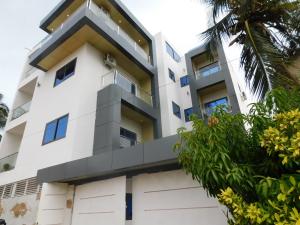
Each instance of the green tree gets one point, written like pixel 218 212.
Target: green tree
pixel 269 33
pixel 3 113
pixel 250 162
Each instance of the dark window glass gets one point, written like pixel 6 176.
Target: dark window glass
pixel 184 81
pixel 50 130
pixel 128 206
pixel 55 130
pixel 129 135
pixel 176 110
pixel 210 106
pixel 187 114
pixel 172 52
pixel 62 127
pixel 65 72
pixel 172 75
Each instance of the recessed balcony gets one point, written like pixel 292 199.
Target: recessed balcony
pixel 116 77
pixel 208 70
pixel 135 128
pixel 20 110
pixel 8 163
pixel 91 23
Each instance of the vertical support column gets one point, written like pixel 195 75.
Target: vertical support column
pixel 56 204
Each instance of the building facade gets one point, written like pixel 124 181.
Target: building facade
pixel 91 134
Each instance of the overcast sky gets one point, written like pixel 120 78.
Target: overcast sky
pixel 181 21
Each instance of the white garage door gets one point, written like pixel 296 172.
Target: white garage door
pixel 172 198
pixel 100 203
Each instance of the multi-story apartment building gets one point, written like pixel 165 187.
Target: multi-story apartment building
pixel 90 139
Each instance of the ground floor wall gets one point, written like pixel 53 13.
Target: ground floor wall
pixel 20 210
pixel 164 198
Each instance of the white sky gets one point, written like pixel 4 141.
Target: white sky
pixel 181 21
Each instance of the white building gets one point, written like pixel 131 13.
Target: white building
pixel 95 118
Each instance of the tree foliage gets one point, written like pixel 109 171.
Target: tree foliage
pixel 250 162
pixel 3 113
pixel 269 33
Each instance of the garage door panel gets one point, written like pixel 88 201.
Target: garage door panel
pixel 179 198
pixel 101 202
pixel 183 216
pixel 98 204
pixel 172 198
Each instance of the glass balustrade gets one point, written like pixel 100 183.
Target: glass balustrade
pixel 115 77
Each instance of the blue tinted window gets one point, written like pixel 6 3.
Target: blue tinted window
pixel 172 75
pixel 210 106
pixel 187 114
pixel 176 110
pixel 55 130
pixel 184 81
pixel 50 130
pixel 172 52
pixel 61 127
pixel 65 72
pixel 128 206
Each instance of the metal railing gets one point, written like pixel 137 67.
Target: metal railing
pixel 208 70
pixel 95 9
pixel 115 77
pixel 21 110
pixel 8 162
pixel 125 142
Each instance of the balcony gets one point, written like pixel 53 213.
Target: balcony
pixel 8 162
pixel 21 110
pixel 208 70
pixel 116 77
pixel 89 7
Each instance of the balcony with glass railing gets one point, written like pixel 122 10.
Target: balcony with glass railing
pixel 8 162
pixel 20 111
pixel 116 77
pixel 100 13
pixel 208 70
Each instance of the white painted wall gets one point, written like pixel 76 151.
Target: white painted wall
pixel 173 198
pixel 76 96
pixel 53 204
pixel 100 203
pixel 168 90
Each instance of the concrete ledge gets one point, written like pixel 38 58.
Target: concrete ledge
pixel 156 155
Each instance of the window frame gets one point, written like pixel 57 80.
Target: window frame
pixel 186 82
pixel 55 133
pixel 172 75
pixel 65 77
pixel 179 110
pixel 170 50
pixel 187 118
pixel 205 104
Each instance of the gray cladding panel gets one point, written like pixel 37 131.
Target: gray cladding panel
pixel 145 156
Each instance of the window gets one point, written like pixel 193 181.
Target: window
pixel 128 206
pixel 172 52
pixel 210 106
pixel 187 114
pixel 172 75
pixel 184 81
pixel 65 72
pixel 56 130
pixel 208 70
pixel 128 138
pixel 176 110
